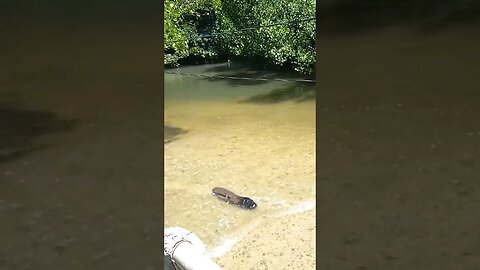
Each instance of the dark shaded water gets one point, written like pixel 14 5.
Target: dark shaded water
pixel 398 145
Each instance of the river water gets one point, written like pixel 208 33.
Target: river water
pixel 255 138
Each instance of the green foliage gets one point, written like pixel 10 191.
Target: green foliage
pixel 293 42
pixel 181 24
pixel 286 43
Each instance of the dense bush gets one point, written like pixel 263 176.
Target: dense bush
pixel 246 28
pixel 183 21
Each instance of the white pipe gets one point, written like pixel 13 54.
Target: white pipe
pixel 186 250
pixel 188 257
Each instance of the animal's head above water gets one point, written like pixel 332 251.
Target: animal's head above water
pixel 233 198
pixel 248 203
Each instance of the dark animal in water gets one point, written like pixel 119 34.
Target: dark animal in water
pixel 233 198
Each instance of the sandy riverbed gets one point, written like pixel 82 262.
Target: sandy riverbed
pixel 279 243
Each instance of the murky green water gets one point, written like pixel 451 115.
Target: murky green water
pixel 254 138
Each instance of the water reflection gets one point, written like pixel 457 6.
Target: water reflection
pixel 297 93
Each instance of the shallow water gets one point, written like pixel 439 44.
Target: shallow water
pixel 254 138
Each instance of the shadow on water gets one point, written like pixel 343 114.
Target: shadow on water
pixel 298 93
pixel 19 128
pixel 242 73
pixel 172 133
pixel 249 70
pixel 240 82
